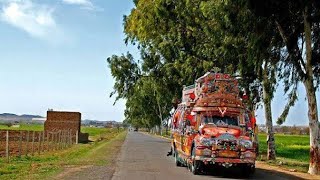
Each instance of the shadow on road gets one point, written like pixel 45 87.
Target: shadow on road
pixel 237 174
pixel 278 174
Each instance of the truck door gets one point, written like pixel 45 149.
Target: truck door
pixel 186 138
pixel 179 129
pixel 191 123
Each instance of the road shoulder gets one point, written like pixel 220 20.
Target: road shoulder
pixel 98 163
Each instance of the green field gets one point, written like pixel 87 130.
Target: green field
pixel 96 133
pixel 291 150
pixel 99 152
pixel 93 132
pixel 24 127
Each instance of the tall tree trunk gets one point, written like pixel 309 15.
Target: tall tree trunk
pixel 314 165
pixel 159 109
pixel 160 116
pixel 268 115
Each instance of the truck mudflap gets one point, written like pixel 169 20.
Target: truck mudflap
pixel 224 161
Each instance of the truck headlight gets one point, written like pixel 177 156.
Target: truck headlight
pixel 246 143
pixel 205 141
pixel 206 152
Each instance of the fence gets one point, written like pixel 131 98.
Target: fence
pixel 19 143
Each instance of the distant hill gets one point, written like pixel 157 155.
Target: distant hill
pixel 14 117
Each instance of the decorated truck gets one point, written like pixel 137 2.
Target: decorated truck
pixel 212 128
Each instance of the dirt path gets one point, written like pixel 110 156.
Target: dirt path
pixel 102 168
pixel 284 172
pixel 86 172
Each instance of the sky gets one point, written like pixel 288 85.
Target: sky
pixel 53 55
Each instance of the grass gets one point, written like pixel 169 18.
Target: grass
pixel 93 131
pixel 292 151
pixel 24 127
pixel 50 164
pixel 97 155
pixel 96 133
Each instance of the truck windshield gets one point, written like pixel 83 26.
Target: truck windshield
pixel 220 121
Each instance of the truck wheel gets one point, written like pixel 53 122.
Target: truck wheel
pixel 253 169
pixel 195 165
pixel 248 170
pixel 176 158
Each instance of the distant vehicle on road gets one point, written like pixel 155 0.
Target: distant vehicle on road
pixel 213 128
pixel 135 129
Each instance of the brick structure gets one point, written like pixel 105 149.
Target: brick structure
pixel 65 121
pixel 57 121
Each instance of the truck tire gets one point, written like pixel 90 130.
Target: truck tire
pixel 195 165
pixel 247 171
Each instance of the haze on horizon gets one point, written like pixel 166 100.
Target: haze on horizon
pixel 53 55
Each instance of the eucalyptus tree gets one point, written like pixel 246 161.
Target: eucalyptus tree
pixel 190 37
pixel 145 95
pixel 175 31
pixel 181 40
pixel 298 23
pixel 256 46
pixel 126 73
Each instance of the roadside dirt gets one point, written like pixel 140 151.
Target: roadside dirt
pixel 70 170
pixel 84 172
pixel 283 171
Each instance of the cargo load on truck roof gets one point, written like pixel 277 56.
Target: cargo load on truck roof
pixel 213 90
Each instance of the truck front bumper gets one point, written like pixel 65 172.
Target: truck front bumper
pixel 227 162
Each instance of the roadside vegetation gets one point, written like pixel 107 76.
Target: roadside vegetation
pixel 292 151
pixel 98 133
pixel 23 127
pixel 98 152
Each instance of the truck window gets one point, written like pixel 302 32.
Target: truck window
pixel 220 121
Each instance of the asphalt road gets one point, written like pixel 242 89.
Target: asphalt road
pixel 144 157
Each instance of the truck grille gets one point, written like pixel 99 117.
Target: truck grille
pixel 227 145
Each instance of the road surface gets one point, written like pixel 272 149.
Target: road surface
pixel 143 157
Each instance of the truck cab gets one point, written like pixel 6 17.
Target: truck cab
pixel 212 126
